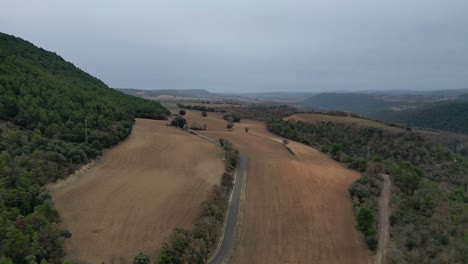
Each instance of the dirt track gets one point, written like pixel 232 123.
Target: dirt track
pixel 383 220
pixel 297 208
pixel 137 193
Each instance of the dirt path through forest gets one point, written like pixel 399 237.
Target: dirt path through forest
pixel 383 220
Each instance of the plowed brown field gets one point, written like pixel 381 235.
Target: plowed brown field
pixel 297 208
pixel 137 193
pixel 315 118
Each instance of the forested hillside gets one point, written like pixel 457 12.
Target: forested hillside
pixel 362 104
pixel 429 221
pixel 449 116
pixel 46 104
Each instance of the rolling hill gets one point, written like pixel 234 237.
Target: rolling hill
pixel 198 93
pixel 449 115
pixel 362 104
pixel 53 117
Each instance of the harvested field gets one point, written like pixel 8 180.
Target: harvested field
pixel 214 120
pixel 297 208
pixel 137 193
pixel 315 118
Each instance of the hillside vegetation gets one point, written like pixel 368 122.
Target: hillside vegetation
pixel 429 205
pixel 45 105
pixel 362 104
pixel 449 116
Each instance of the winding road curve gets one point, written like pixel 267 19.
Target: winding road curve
pixel 230 227
pixel 230 230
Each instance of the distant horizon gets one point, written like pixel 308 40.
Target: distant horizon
pixel 315 91
pixel 266 46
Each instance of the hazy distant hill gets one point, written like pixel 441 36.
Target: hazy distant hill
pixel 177 92
pixel 363 104
pixel 298 96
pixel 442 93
pixel 463 96
pixel 450 115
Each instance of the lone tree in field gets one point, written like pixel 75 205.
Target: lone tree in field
pixel 141 259
pixel 204 114
pixel 182 112
pixel 179 121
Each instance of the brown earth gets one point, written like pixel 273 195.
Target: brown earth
pixel 214 120
pixel 137 193
pixel 297 208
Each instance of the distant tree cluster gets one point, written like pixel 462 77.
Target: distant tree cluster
pixel 195 245
pixel 258 112
pixel 430 215
pixel 232 118
pixel 178 121
pixel 54 117
pixel 197 107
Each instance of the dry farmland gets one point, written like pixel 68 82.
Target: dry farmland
pixel 296 208
pixel 315 118
pixel 137 193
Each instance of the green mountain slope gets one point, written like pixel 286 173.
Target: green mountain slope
pixel 449 116
pixel 45 105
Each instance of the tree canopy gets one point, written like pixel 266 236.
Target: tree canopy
pixel 53 117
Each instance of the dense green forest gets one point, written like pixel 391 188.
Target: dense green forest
pixel 46 104
pixel 449 116
pixel 429 221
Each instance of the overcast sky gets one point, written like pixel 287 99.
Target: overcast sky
pixel 256 45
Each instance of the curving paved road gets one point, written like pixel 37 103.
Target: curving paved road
pixel 230 230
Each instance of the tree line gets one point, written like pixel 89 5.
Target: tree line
pixel 197 107
pixel 53 118
pixel 197 244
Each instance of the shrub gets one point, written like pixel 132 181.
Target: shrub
pixel 141 259
pixel 182 112
pixel 204 114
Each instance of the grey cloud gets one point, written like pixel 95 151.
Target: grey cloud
pixel 261 45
